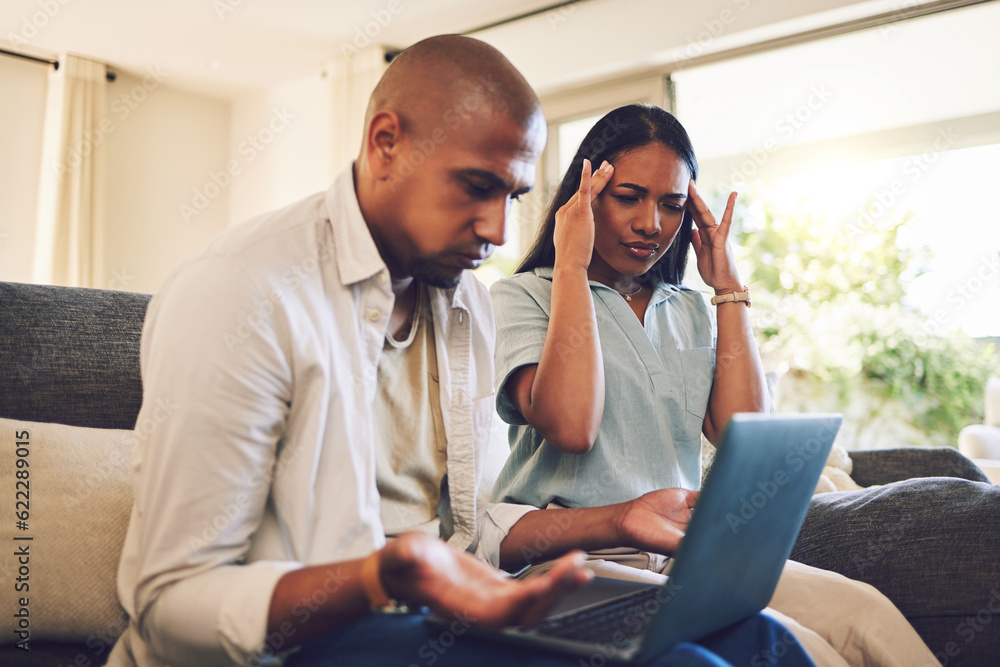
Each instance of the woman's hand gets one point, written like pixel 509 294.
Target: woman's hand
pixel 711 244
pixel 573 236
pixel 656 521
pixel 738 384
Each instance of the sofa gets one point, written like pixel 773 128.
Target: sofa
pixel 70 393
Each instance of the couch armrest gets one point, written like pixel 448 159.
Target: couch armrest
pixel 70 355
pixel 930 545
pixel 883 466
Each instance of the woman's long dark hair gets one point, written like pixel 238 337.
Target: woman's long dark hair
pixel 620 131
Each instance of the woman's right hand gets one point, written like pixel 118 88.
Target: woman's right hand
pixel 656 521
pixel 573 236
pixel 562 396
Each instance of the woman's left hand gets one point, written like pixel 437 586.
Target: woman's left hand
pixel 711 243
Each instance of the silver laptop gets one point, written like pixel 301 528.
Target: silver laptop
pixel 740 535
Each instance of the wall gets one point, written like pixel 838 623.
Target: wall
pixel 163 150
pixel 307 131
pixel 587 41
pixel 162 147
pixel 183 166
pixel 21 119
pixel 279 146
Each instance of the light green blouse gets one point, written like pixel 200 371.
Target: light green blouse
pixel 658 377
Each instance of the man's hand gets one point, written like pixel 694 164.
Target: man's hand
pixel 656 521
pixel 420 569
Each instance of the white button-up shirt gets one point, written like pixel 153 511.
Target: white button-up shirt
pixel 264 348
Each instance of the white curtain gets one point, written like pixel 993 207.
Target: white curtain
pixel 69 237
pixel 353 76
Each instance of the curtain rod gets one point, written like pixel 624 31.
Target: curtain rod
pixel 894 16
pixel 845 27
pixel 526 15
pixel 110 76
pixel 389 55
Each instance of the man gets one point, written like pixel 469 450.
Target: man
pixel 258 518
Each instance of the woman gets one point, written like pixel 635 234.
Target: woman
pixel 610 370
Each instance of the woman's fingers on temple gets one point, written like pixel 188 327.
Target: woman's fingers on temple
pixel 699 210
pixel 696 242
pixel 585 175
pixel 727 217
pixel 600 179
pixel 696 199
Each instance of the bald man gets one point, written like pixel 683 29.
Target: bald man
pixel 331 368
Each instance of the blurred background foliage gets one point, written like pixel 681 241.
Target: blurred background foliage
pixel 832 320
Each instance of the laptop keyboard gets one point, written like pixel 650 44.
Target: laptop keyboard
pixel 614 621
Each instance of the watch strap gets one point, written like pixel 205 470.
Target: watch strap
pixel 733 296
pixel 371 581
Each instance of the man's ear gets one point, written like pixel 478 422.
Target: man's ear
pixel 382 143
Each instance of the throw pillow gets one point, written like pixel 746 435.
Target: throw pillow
pixel 63 524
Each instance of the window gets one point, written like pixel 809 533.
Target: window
pixel 867 164
pixel 881 122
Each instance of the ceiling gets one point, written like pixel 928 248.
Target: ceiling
pixel 224 48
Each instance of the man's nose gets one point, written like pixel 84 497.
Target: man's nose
pixel 492 225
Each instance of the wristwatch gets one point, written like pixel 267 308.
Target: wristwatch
pixel 371 581
pixel 733 296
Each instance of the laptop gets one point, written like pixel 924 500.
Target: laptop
pixel 728 564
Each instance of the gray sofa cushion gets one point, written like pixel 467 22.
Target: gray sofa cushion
pixel 70 355
pixel 883 466
pixel 931 545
